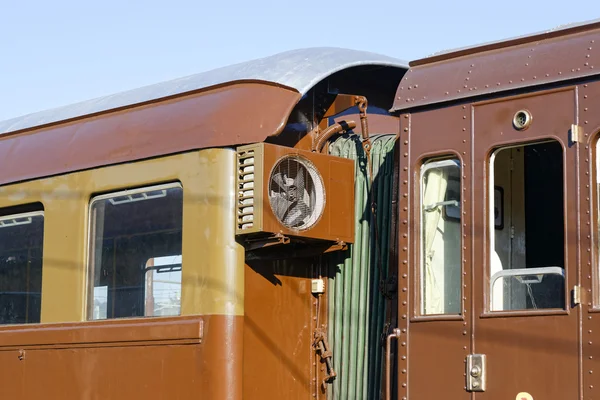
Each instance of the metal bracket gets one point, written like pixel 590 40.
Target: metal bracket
pixel 476 372
pixel 259 243
pixel 321 345
pixel 576 133
pixel 576 295
pixel 337 246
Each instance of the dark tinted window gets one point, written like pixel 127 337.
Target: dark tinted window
pixel 21 244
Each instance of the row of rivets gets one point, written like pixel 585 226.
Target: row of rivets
pixel 466 144
pixel 404 215
pixel 587 206
pixel 510 82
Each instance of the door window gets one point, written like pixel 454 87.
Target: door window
pixel 526 220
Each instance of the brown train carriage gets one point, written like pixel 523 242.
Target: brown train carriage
pixel 130 265
pixel 323 223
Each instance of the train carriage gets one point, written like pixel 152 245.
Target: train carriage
pixel 319 224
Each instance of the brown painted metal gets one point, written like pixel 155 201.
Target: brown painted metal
pixel 269 351
pixel 224 116
pixel 336 222
pixel 589 118
pixel 537 61
pixel 550 354
pixel 405 253
pixel 337 128
pixel 124 331
pixel 437 345
pixel 146 358
pixel 278 333
pixel 529 351
pixel 523 348
pixel 560 31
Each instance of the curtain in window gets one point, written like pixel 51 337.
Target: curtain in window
pixel 434 192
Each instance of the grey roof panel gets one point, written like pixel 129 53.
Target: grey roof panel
pixel 298 69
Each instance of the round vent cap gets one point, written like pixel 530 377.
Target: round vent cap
pixel 296 192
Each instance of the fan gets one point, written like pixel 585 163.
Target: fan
pixel 296 192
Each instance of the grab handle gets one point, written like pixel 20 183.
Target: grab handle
pixel 388 361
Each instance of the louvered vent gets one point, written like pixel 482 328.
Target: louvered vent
pixel 249 185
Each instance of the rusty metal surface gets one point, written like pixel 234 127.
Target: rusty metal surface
pixel 531 64
pixel 298 69
pixel 160 367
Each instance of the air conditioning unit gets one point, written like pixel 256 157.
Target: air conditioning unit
pixel 289 193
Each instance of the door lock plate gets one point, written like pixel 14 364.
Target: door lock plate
pixel 476 372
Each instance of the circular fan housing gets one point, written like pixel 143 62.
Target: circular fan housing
pixel 296 192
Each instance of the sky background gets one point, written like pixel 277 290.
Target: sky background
pixel 54 53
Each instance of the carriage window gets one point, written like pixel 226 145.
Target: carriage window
pixel 527 228
pixel 135 255
pixel 441 237
pixel 21 243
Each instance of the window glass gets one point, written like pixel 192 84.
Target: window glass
pixel 21 244
pixel 134 235
pixel 441 237
pixel 163 285
pixel 527 228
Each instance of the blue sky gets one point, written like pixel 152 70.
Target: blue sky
pixel 59 52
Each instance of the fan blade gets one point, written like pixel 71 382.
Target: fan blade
pixel 296 214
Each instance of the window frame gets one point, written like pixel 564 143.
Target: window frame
pixel 90 246
pixel 488 312
pixel 439 160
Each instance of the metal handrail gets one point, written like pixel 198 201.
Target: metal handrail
pixel 388 361
pixel 527 272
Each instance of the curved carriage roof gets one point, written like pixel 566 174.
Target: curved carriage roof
pixel 299 70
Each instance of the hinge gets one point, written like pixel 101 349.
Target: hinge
pixel 576 295
pixel 576 133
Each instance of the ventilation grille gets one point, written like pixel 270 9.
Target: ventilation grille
pixel 296 192
pixel 246 218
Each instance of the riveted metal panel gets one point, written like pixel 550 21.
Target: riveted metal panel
pixel 489 71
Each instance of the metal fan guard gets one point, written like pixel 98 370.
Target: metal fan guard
pixel 294 167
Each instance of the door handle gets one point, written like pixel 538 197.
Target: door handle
pixel 388 361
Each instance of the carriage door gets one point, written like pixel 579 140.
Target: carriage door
pixel 435 243
pixel 525 325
